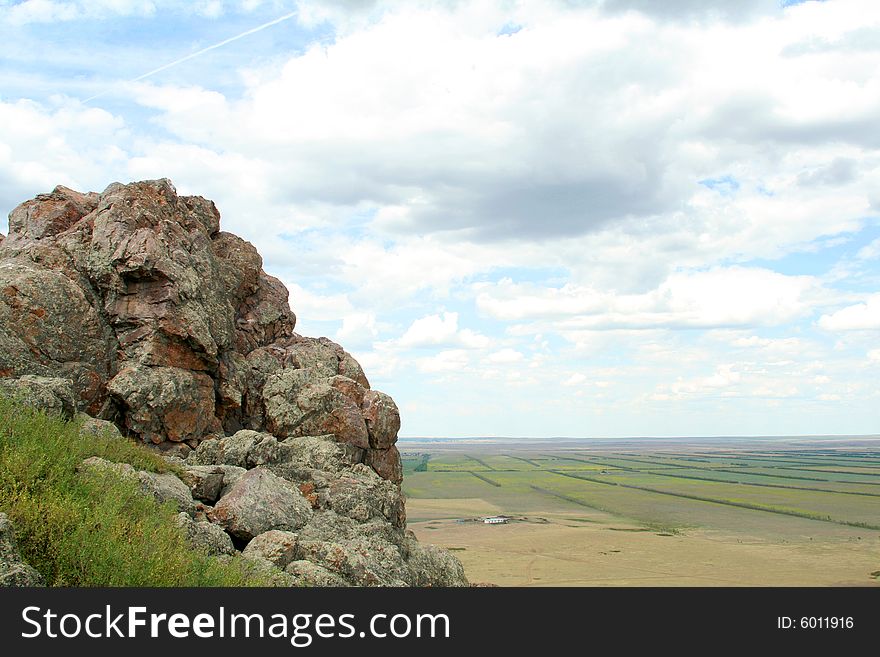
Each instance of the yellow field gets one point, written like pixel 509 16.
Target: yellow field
pixel 595 550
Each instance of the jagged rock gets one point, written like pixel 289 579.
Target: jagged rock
pixel 275 546
pixel 205 482
pixel 50 214
pixel 363 496
pixel 13 570
pixel 50 394
pixel 362 561
pixel 432 566
pixel 260 501
pixel 165 403
pixel 320 453
pixel 306 573
pixel 300 403
pixel 386 463
pixel 145 314
pixel 383 419
pixel 245 448
pixel 205 536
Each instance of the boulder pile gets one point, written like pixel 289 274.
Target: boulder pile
pixel 133 307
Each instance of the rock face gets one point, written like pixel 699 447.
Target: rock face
pixel 132 307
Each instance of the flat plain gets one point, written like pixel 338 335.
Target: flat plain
pixel 652 512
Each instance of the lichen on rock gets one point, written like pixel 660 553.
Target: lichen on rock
pixel 133 307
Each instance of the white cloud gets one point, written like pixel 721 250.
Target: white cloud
pixel 358 329
pixel 575 379
pixel 437 330
pixel 450 360
pixel 505 356
pixel 870 251
pixel 731 296
pixel 861 316
pixel 312 306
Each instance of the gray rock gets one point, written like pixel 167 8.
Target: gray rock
pixel 306 573
pixel 13 570
pixel 362 495
pixel 165 403
pixel 95 464
pixel 433 566
pixel 298 402
pixel 50 394
pixel 205 482
pixel 260 501
pixel 321 453
pixel 166 487
pixel 275 546
pixel 96 427
pixel 205 536
pixel 246 448
pixel 362 561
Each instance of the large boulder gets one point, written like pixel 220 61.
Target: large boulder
pixel 275 546
pixel 165 403
pixel 260 501
pixel 205 536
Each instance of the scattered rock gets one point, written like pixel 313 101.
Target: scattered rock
pixel 163 487
pixel 132 306
pixel 95 427
pixel 205 536
pixel 306 573
pixel 166 487
pixel 275 546
pixel 205 482
pixel 260 501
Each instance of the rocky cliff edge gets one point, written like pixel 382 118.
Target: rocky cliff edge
pixel 133 307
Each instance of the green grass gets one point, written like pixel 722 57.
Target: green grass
pixel 96 529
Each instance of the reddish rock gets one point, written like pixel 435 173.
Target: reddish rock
pixel 386 463
pixel 382 417
pixel 178 334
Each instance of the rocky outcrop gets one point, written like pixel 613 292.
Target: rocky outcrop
pixel 14 571
pixel 179 335
pixel 132 307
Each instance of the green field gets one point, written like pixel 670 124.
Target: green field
pixel 739 492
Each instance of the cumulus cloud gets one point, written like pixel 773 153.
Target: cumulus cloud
pixel 566 126
pixel 634 203
pixel 860 316
pixel 733 296
pixel 440 330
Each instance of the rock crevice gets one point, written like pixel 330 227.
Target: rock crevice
pixel 131 305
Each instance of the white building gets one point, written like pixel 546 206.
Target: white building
pixel 496 520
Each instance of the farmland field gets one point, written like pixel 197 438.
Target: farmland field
pixel 689 512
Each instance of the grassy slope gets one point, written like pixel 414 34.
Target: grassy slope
pixel 96 530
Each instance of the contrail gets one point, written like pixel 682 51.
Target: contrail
pixel 201 52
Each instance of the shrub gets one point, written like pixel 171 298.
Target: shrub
pixel 95 530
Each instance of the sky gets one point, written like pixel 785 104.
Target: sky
pixel 548 218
